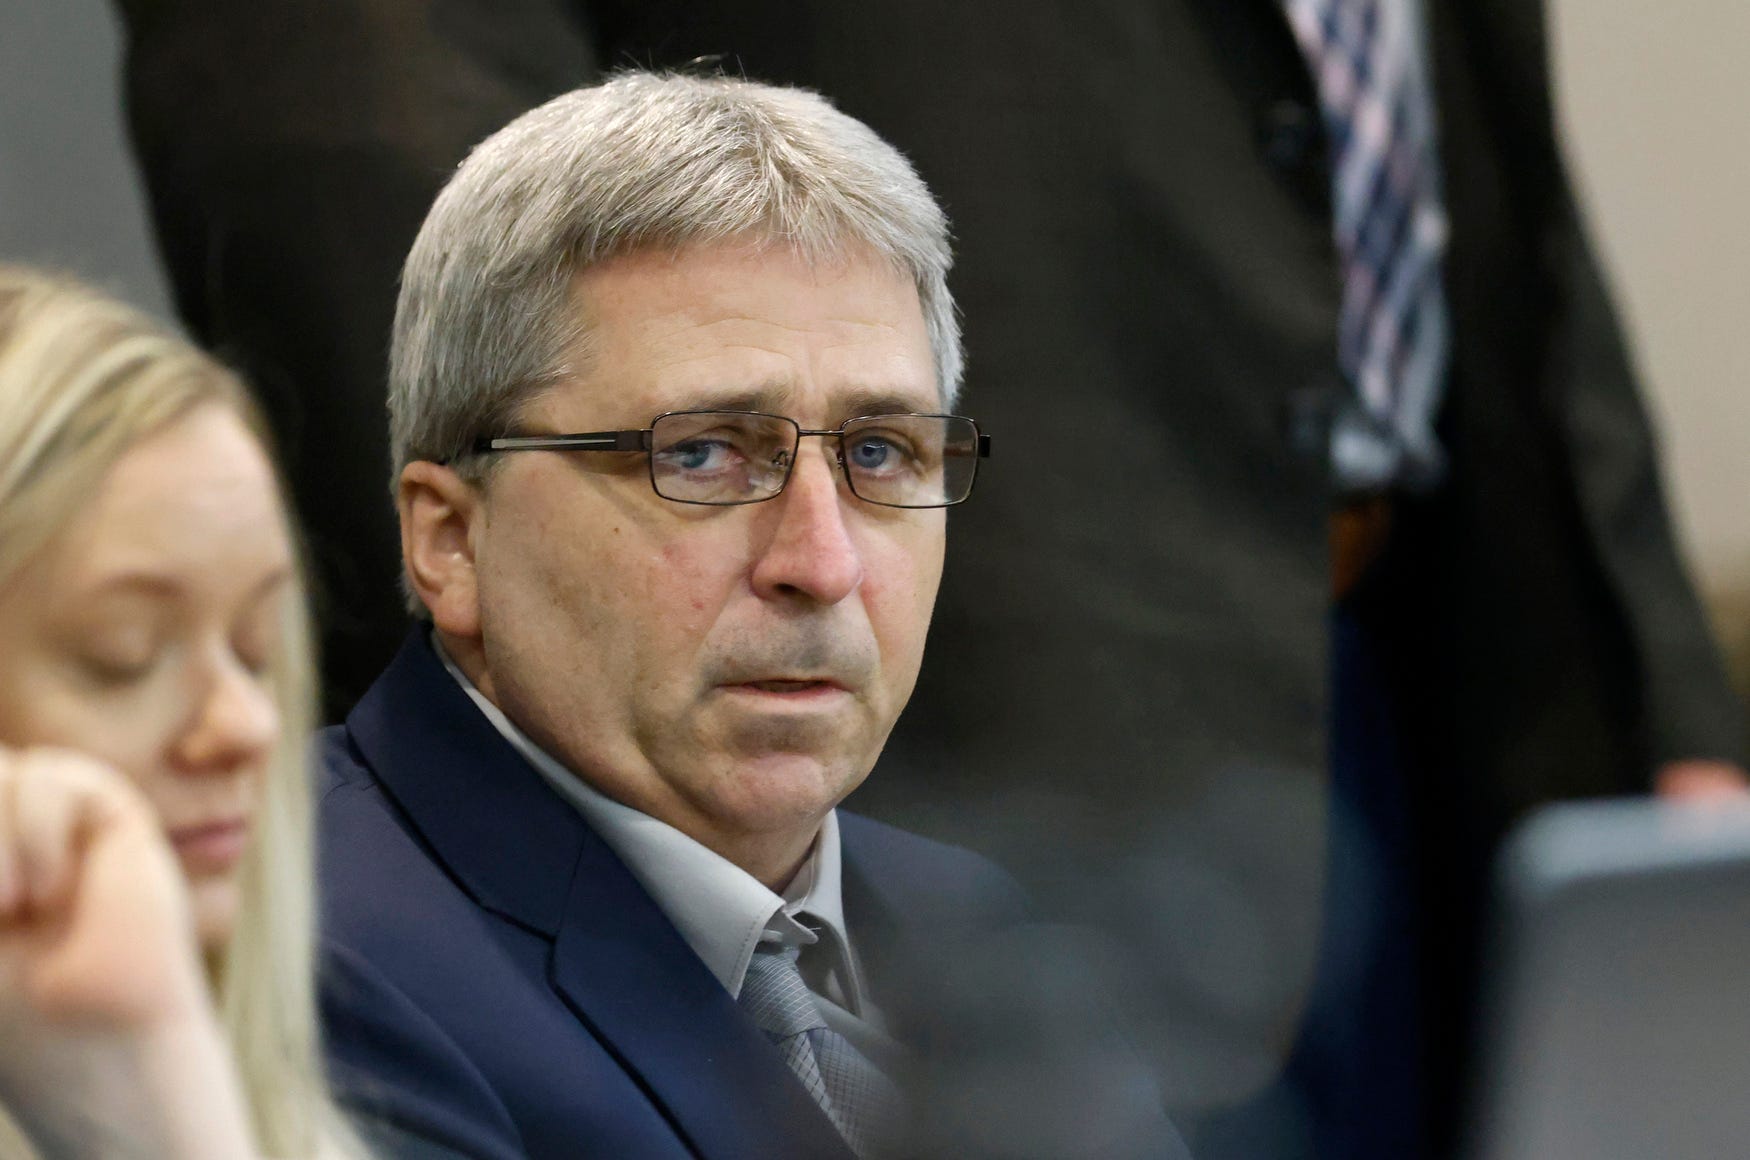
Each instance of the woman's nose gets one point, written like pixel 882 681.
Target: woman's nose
pixel 235 722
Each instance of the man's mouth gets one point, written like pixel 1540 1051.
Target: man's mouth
pixel 786 685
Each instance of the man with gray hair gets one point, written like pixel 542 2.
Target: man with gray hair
pixel 671 384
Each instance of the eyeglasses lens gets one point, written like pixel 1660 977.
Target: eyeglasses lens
pixel 733 457
pixel 720 457
pixel 911 460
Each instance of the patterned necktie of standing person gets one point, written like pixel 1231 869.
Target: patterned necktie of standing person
pixel 1368 64
pixel 863 1104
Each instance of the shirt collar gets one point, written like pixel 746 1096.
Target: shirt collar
pixel 720 910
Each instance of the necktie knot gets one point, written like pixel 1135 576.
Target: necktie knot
pixel 861 1102
pixel 775 997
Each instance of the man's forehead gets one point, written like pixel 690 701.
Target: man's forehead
pixel 726 295
pixel 738 328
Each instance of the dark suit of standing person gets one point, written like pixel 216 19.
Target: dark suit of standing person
pixel 669 391
pixel 1131 660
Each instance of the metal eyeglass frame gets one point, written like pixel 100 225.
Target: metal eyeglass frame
pixel 642 439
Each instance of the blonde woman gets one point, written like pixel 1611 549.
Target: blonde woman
pixel 156 962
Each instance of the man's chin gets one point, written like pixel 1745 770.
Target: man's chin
pixel 776 791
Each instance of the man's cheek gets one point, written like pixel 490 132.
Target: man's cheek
pixel 680 578
pixel 899 591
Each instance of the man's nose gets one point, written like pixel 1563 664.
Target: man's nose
pixel 234 722
pixel 810 552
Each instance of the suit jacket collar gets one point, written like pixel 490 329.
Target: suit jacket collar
pixel 618 963
pixel 507 838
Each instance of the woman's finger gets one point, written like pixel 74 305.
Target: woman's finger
pixel 59 802
pixel 64 801
pixel 46 807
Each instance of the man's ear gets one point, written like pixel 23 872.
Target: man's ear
pixel 441 514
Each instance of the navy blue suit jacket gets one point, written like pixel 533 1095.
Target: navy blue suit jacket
pixel 496 982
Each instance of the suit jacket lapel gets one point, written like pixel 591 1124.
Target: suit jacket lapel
pixel 618 963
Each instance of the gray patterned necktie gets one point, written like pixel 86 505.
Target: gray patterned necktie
pixel 862 1103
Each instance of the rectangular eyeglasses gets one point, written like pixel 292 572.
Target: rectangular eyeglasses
pixel 722 458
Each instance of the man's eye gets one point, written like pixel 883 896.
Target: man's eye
pixel 881 452
pixel 699 455
pixel 870 452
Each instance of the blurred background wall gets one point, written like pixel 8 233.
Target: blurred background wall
pixel 68 194
pixel 1658 124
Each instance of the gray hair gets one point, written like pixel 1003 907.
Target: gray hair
pixel 644 161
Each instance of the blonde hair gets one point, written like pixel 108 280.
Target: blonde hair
pixel 84 378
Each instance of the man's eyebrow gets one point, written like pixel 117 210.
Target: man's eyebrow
pixel 887 402
pixel 776 396
pixel 773 396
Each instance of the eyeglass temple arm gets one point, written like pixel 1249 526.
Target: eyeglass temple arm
pixel 982 451
pixel 582 441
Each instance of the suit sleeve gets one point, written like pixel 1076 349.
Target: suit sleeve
pixel 291 149
pixel 1687 705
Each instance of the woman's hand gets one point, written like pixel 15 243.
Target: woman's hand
pixel 108 1041
pixel 95 930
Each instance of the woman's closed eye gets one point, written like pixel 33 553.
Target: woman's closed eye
pixel 120 656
